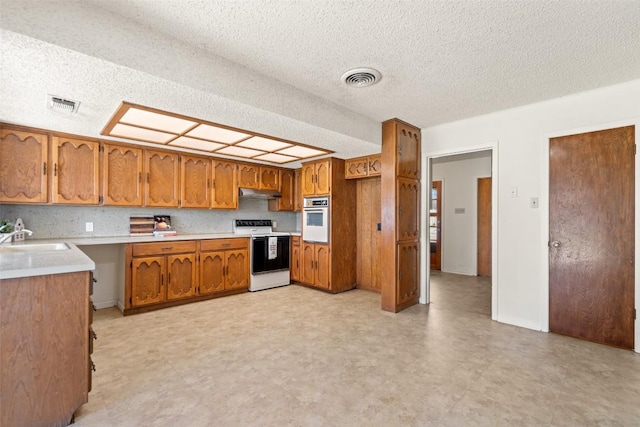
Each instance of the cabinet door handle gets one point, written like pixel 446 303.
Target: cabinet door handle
pixel 162 280
pixel 167 248
pixel 139 176
pixel 169 281
pixel 55 169
pixel 147 177
pixel 44 168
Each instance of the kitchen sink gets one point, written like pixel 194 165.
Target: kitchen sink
pixel 34 247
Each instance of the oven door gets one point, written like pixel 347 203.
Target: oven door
pixel 261 262
pixel 315 225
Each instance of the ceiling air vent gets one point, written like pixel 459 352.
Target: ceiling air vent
pixel 57 103
pixel 361 77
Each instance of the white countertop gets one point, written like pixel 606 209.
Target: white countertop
pixel 40 263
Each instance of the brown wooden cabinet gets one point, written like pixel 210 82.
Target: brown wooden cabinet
pixel 224 265
pixel 162 187
pixel 76 168
pixel 224 185
pixel 316 265
pixel 121 175
pixel 316 178
pixel 46 343
pixel 363 167
pixel 269 178
pixel 248 175
pixel 23 166
pixel 295 259
pixel 195 179
pixel 286 188
pixel 160 272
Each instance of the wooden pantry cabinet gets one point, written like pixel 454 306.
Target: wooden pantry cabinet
pixel 76 169
pixel 224 265
pixel 23 166
pixel 164 274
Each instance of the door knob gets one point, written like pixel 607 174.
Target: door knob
pixel 555 244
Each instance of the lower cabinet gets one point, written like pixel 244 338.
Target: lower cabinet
pixel 295 258
pixel 315 265
pixel 176 272
pixel 224 265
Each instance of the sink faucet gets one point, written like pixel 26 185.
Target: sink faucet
pixel 13 233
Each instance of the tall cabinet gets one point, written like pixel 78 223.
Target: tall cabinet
pixel 400 184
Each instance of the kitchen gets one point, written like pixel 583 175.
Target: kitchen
pixel 258 106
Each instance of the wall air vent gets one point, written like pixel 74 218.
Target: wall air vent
pixel 57 103
pixel 361 77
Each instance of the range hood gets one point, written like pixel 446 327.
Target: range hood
pixel 252 193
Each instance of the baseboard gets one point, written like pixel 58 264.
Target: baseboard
pixel 105 304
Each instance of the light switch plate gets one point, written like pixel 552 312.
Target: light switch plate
pixel 88 226
pixel 534 203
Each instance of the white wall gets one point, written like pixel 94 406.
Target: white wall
pixel 522 142
pixel 460 190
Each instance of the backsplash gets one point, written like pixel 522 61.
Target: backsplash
pixel 54 221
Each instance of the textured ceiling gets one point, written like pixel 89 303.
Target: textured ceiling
pixel 274 66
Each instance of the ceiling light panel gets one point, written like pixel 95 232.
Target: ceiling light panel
pixel 141 134
pixel 151 120
pixel 276 158
pixel 196 144
pixel 234 150
pixel 264 144
pixel 217 134
pixel 303 152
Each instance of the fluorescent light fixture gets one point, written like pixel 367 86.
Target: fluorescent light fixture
pixel 151 120
pixel 196 144
pixel 126 131
pixel 217 134
pixel 264 144
pixel 303 152
pixel 275 158
pixel 234 150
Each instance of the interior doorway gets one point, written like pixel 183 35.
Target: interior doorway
pixel 459 214
pixel 435 225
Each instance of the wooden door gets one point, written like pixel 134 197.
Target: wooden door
pixel 181 281
pixel 23 167
pixel 122 175
pixel 297 192
pixel 147 281
pixel 322 276
pixel 435 225
pixel 295 261
pixel 484 226
pixel 195 176
pixel 211 272
pixel 269 178
pixel 225 188
pixel 76 169
pixel 248 175
pixel 163 178
pixel 369 215
pixel 237 262
pixel 308 179
pixel 307 263
pixel 323 177
pixel 591 229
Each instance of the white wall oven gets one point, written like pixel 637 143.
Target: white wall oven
pixel 315 219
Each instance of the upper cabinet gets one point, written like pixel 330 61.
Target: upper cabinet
pixel 269 178
pixel 297 191
pixel 248 175
pixel 76 171
pixel 225 186
pixel 286 189
pixel 316 178
pixel 363 167
pixel 195 178
pixel 162 188
pixel 23 166
pixel 121 175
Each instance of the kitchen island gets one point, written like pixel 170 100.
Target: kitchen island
pixel 45 331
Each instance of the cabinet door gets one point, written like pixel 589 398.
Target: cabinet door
pixel 408 152
pixel 308 179
pixel 356 168
pixel 122 175
pixel 225 187
pixel 237 273
pixel 23 167
pixel 295 263
pixel 248 175
pixel 75 171
pixel 194 182
pixel 375 166
pixel 147 281
pixel 211 272
pixel 307 263
pixel 181 282
pixel 163 177
pixel 323 177
pixel 297 191
pixel 269 178
pixel 286 188
pixel 323 267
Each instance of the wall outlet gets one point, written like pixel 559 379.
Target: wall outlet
pixel 534 203
pixel 275 224
pixel 88 226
